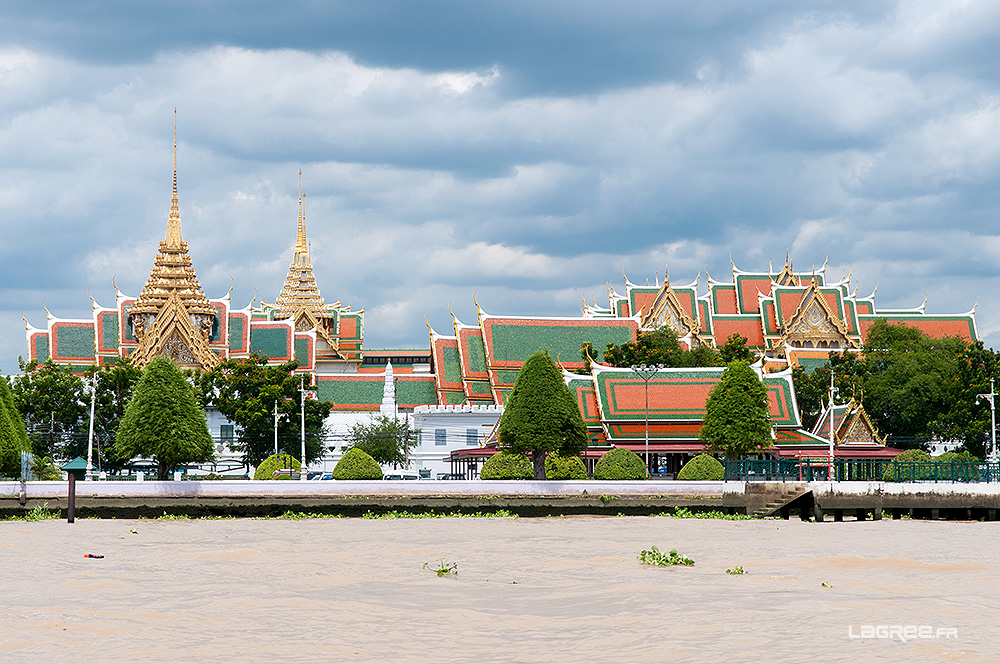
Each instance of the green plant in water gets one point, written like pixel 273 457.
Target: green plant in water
pixel 607 499
pixel 443 568
pixel 174 517
pixel 298 516
pixel 736 570
pixel 394 514
pixel 685 513
pixel 656 557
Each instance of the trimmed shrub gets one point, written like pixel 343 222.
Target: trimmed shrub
pixel 265 471
pixel 564 467
pixel 702 467
pixel 356 464
pixel 619 464
pixel 904 472
pixel 507 466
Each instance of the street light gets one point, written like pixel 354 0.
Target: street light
pixel 833 393
pixel 992 458
pixel 646 373
pixel 302 404
pixel 90 434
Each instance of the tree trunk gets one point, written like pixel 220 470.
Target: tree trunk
pixel 538 461
pixel 162 471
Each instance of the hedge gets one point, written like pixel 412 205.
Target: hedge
pixel 702 467
pixel 619 464
pixel 265 471
pixel 564 467
pixel 356 464
pixel 507 466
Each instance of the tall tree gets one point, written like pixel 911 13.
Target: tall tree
pixel 908 379
pixel 13 438
pixel 968 419
pixel 541 415
pixel 246 392
pixel 385 439
pixel 163 421
pixel 737 420
pixel 55 407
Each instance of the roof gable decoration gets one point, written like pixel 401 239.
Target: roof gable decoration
pixel 172 333
pixel 814 324
pixel 667 310
pixel 851 425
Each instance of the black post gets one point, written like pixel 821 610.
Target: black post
pixel 71 499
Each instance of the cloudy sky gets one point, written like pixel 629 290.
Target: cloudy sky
pixel 528 152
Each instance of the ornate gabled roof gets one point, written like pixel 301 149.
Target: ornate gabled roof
pixel 851 425
pixel 814 320
pixel 667 310
pixel 172 316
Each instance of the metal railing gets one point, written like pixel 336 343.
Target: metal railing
pixel 817 469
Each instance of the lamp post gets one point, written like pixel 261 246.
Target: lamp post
pixel 992 458
pixel 90 432
pixel 275 426
pixel 833 393
pixel 646 373
pixel 302 405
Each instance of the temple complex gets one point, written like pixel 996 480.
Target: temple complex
pixel 790 318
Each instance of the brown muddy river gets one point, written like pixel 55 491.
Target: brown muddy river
pixel 527 590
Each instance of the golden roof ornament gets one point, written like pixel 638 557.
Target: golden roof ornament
pixel 300 298
pixel 172 316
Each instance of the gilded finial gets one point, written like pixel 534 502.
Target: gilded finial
pixel 252 300
pixel 117 291
pixel 47 312
pixel 26 325
pixel 976 304
pixel 174 238
pixel 825 261
pixel 231 287
pixel 428 324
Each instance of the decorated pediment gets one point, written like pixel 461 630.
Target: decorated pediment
pixel 814 323
pixel 176 333
pixel 667 311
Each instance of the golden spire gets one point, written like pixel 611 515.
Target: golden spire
pixel 300 298
pixel 301 245
pixel 172 316
pixel 174 238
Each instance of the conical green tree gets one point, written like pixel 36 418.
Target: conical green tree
pixel 540 414
pixel 737 418
pixel 13 438
pixel 163 421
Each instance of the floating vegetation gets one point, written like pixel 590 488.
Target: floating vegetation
pixel 403 514
pixel 685 513
pixel 656 557
pixel 443 568
pixel 736 570
pixel 298 516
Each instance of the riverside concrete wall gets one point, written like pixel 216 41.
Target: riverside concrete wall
pixel 250 498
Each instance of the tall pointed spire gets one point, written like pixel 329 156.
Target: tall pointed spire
pixel 300 298
pixel 301 245
pixel 172 316
pixel 174 238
